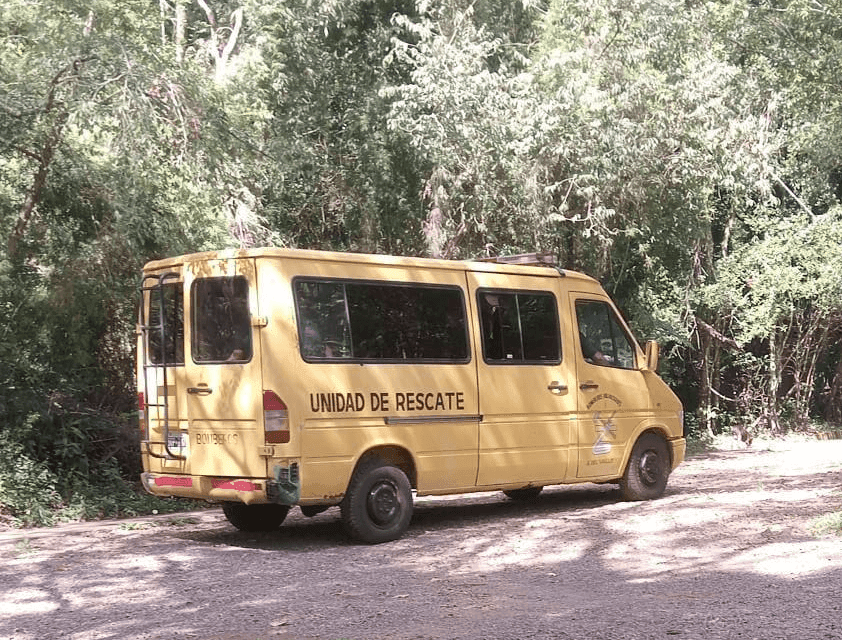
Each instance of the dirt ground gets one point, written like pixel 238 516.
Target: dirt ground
pixel 728 552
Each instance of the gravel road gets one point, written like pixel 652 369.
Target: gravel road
pixel 728 552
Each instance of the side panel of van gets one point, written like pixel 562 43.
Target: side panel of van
pixel 356 382
pixel 527 389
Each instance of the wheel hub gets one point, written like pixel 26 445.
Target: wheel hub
pixel 383 504
pixel 650 468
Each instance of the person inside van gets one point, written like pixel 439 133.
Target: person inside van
pixel 592 354
pixel 492 317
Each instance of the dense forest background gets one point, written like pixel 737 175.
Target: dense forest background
pixel 685 153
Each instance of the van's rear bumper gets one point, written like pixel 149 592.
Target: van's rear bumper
pixel 247 490
pixel 284 488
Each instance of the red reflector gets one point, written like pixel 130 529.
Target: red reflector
pixel 271 402
pixel 237 485
pixel 277 437
pixel 174 482
pixel 141 401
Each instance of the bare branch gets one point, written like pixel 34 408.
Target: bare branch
pixel 209 13
pixel 232 40
pixel 716 335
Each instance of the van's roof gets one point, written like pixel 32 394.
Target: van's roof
pixel 364 258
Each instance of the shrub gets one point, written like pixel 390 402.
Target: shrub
pixel 28 490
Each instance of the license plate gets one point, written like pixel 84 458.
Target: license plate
pixel 177 443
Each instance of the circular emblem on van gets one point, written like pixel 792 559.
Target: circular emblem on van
pixel 604 407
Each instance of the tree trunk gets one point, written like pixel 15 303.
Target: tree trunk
pixel 39 182
pixel 221 53
pixel 833 408
pixel 56 110
pixel 774 384
pixel 180 28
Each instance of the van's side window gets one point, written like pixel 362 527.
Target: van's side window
pixel 322 320
pixel 604 341
pixel 380 322
pixel 169 348
pixel 519 327
pixel 221 320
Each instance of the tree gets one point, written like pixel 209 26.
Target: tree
pixel 339 178
pixel 472 116
pixel 102 165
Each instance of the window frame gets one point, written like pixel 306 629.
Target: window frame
pixel 194 333
pixel 619 322
pixel 310 359
pixel 481 291
pixel 154 349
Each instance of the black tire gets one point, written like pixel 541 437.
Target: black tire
pixel 527 494
pixel 378 504
pixel 255 517
pixel 648 469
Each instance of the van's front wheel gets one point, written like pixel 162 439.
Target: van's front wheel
pixel 648 469
pixel 378 505
pixel 255 517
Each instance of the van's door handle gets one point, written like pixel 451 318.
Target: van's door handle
pixel 557 387
pixel 588 386
pixel 200 391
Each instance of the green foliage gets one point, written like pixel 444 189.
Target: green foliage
pixel 338 178
pixel 101 167
pixel 27 487
pixel 472 117
pixel 830 523
pixel 793 266
pixel 33 494
pixel 781 296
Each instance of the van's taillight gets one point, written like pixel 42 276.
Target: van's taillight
pixel 275 418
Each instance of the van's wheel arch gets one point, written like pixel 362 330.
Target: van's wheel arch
pixel 377 506
pixel 255 517
pixel 648 468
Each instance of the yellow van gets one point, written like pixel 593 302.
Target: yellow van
pixel 269 378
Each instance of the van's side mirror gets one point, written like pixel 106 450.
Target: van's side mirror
pixel 652 351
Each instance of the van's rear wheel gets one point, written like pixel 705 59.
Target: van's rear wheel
pixel 378 504
pixel 255 517
pixel 648 469
pixel 525 494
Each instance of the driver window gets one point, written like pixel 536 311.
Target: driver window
pixel 604 340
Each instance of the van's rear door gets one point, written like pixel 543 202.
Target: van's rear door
pixel 222 377
pixel 161 370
